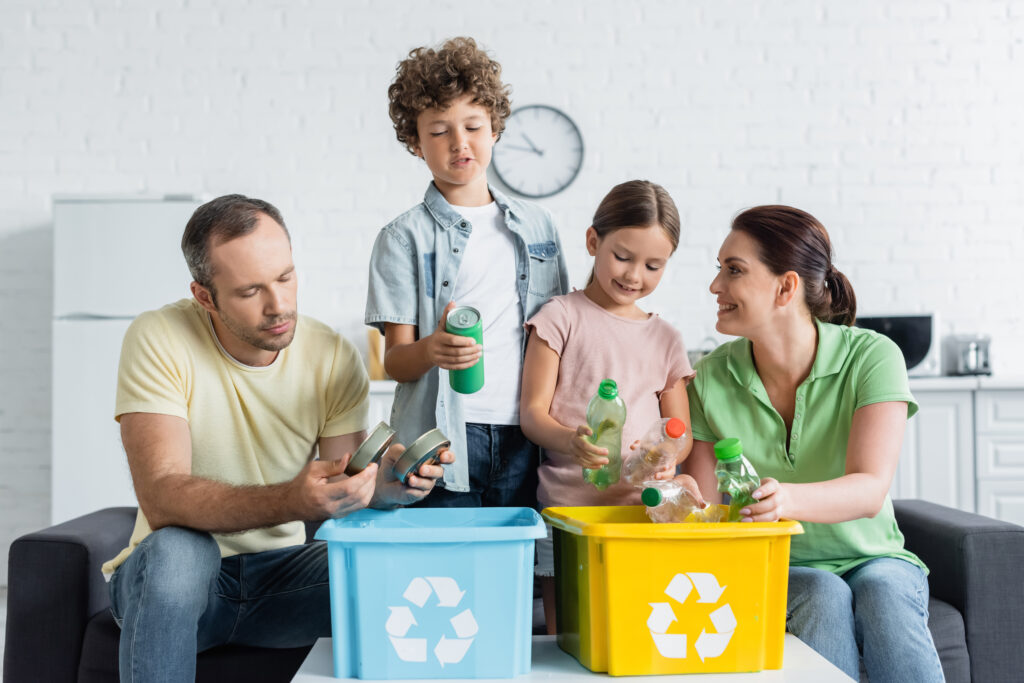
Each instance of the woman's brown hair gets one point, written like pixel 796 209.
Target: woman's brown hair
pixel 789 239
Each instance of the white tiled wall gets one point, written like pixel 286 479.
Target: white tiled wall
pixel 897 123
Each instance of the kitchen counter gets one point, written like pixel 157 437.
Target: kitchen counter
pixel 965 383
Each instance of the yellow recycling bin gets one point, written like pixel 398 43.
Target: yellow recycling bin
pixel 638 598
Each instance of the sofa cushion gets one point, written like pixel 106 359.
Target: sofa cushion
pixel 219 665
pixel 947 627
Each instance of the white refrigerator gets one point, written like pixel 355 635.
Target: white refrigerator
pixel 113 258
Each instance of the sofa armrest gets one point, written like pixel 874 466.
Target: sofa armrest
pixel 976 565
pixel 54 587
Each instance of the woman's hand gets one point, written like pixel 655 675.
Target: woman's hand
pixel 772 500
pixel 690 484
pixel 586 454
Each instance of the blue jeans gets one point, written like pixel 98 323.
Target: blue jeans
pixel 174 596
pixel 502 470
pixel 878 609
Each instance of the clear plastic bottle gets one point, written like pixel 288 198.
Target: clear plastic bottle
pixel 736 476
pixel 668 502
pixel 658 449
pixel 606 414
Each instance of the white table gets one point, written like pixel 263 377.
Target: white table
pixel 800 664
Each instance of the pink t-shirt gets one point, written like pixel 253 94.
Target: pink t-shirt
pixel 644 357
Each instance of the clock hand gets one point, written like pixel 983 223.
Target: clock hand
pixel 533 147
pixel 521 148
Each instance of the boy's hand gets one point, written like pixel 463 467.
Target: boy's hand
pixel 585 453
pixel 451 351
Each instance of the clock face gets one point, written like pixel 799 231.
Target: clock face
pixel 539 153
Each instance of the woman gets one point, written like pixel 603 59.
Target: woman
pixel 820 408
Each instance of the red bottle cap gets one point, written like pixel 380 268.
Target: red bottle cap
pixel 675 428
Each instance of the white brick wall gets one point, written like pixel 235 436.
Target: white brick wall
pixel 896 123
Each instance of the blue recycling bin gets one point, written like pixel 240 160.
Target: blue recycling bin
pixel 432 593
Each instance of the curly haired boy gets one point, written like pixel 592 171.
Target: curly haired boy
pixel 466 242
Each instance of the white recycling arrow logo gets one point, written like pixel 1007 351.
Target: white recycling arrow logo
pixel 401 619
pixel 709 643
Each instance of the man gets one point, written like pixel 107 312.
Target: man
pixel 224 401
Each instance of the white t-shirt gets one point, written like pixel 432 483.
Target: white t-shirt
pixel 487 282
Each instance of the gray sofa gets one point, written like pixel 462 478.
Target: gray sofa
pixel 59 626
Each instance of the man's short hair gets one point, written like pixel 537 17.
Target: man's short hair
pixel 222 219
pixel 433 79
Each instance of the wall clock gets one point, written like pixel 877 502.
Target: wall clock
pixel 540 152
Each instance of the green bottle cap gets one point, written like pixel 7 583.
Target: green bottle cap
pixel 651 497
pixel 608 389
pixel 727 449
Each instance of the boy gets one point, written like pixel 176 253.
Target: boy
pixel 466 243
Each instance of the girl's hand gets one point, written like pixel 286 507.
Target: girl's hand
pixel 451 351
pixel 772 499
pixel 585 453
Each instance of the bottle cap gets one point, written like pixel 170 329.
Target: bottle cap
pixel 651 497
pixel 727 449
pixel 675 428
pixel 608 389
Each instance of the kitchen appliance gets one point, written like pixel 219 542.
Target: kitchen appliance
pixel 968 354
pixel 916 335
pixel 113 258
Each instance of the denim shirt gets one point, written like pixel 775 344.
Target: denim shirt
pixel 413 269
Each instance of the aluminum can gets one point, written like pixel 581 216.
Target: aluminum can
pixel 372 449
pixel 465 321
pixel 423 450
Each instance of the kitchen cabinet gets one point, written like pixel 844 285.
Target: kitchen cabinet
pixel 936 461
pixel 999 452
pixel 382 394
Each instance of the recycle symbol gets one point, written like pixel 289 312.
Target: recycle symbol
pixel 401 619
pixel 709 643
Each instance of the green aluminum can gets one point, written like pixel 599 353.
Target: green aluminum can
pixel 465 321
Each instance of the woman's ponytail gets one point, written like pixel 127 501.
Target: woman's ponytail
pixel 842 302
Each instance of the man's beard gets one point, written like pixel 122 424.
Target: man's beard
pixel 251 336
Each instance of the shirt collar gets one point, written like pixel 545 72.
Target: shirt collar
pixel 833 347
pixel 447 217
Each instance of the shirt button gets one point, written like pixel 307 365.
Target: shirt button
pixel 795 437
pixel 462 224
pixel 798 416
pixel 522 276
pixel 456 250
pixel 444 284
pixel 799 398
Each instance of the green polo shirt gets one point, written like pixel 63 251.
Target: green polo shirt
pixel 853 367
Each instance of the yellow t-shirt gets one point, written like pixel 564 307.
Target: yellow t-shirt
pixel 249 425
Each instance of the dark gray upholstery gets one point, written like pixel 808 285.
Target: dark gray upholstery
pixel 59 626
pixel 977 567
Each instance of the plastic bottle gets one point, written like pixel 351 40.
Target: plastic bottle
pixel 658 449
pixel 736 476
pixel 668 502
pixel 606 414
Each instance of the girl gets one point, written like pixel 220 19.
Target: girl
pixel 578 339
pixel 820 407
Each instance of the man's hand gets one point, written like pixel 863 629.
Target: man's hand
pixel 322 489
pixel 393 493
pixel 451 351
